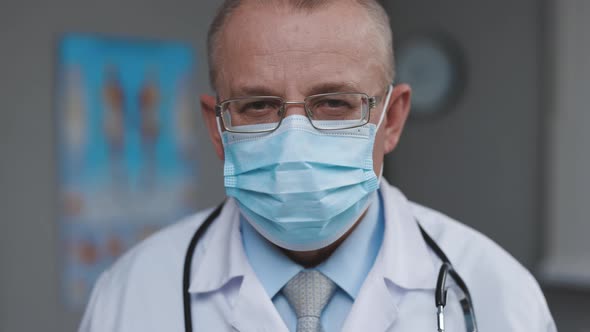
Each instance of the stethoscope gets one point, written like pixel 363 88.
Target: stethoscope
pixel 440 295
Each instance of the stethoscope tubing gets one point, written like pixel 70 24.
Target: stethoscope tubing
pixel 186 275
pixel 440 292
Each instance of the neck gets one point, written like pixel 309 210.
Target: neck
pixel 309 259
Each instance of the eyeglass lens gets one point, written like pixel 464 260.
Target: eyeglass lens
pixel 329 111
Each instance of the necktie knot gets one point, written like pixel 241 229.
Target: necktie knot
pixel 308 293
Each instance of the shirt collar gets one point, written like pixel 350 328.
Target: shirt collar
pixel 351 262
pixel 272 267
pixel 348 266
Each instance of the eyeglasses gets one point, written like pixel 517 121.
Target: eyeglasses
pixel 327 111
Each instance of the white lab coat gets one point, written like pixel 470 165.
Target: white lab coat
pixel 143 290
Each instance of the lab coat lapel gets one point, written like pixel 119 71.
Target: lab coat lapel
pixel 217 257
pixel 374 309
pixel 404 263
pixel 222 259
pixel 254 311
pixel 405 258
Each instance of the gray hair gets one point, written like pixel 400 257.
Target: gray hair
pixel 373 8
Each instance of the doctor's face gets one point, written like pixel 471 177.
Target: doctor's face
pixel 275 51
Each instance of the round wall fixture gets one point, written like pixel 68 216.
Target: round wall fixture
pixel 433 65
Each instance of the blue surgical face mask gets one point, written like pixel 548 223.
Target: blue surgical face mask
pixel 300 187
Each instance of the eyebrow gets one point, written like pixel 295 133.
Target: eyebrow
pixel 328 87
pixel 325 87
pixel 254 90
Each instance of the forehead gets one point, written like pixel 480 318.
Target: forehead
pixel 288 51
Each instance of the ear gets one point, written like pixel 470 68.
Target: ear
pixel 208 103
pixel 397 113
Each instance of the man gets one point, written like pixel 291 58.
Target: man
pixel 310 237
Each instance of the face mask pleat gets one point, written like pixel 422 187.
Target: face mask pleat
pixel 309 236
pixel 296 141
pixel 288 180
pixel 318 206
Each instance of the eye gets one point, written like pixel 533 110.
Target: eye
pixel 341 106
pixel 258 107
pixel 333 103
pixel 336 103
pixel 334 106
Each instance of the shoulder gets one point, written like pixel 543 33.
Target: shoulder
pixel 150 273
pixel 166 248
pixel 464 245
pixel 497 281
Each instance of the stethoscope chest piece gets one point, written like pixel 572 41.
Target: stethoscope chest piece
pixel 440 296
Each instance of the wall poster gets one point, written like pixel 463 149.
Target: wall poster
pixel 126 146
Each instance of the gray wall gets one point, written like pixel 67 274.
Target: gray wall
pixel 484 162
pixel 479 163
pixel 567 260
pixel 29 297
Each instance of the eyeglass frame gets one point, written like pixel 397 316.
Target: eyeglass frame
pixel 373 102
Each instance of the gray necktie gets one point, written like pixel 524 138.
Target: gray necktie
pixel 308 293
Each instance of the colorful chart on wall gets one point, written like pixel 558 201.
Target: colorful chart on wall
pixel 126 150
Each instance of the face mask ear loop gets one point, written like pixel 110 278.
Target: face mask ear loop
pixel 219 128
pixel 388 96
pixel 218 121
pixel 389 90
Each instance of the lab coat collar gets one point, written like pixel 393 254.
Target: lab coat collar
pixel 222 260
pixel 403 263
pixel 405 258
pixel 221 257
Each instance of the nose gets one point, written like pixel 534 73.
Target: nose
pixel 294 108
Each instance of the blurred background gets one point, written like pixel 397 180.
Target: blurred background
pixel 498 138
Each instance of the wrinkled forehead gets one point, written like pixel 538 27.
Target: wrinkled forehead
pixel 277 45
pixel 339 19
